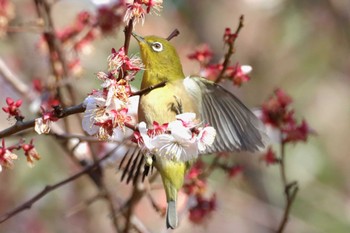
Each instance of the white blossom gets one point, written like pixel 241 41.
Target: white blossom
pixel 180 142
pixel 42 126
pixel 7 159
pixel 206 138
pixel 246 69
pixel 94 112
pixel 176 148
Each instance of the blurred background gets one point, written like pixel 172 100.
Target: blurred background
pixel 300 46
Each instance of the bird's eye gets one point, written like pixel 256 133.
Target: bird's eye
pixel 156 46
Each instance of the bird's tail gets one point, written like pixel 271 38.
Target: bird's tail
pixel 173 174
pixel 171 215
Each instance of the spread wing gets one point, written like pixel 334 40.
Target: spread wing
pixel 133 165
pixel 236 126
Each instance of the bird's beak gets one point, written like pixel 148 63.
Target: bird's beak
pixel 140 39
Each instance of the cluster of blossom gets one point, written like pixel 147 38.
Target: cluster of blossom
pixel 234 170
pixel 43 123
pixel 196 186
pixel 106 20
pixel 138 9
pixel 179 140
pixel 195 183
pixel 86 28
pixel 237 73
pixel 45 102
pixel 277 113
pixel 72 34
pixel 107 108
pixel 226 163
pixel 110 17
pixel 202 209
pixel 7 156
pixel 12 108
pixel 7 13
pixel 229 37
pixel 270 157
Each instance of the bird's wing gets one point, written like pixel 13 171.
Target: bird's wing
pixel 236 126
pixel 133 164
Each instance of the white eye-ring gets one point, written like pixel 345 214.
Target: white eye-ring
pixel 156 46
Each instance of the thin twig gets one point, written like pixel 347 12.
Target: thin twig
pixel 148 89
pixel 84 204
pixel 24 28
pixel 230 51
pixel 12 79
pixel 157 208
pixel 175 33
pixel 112 209
pixel 138 225
pixel 291 198
pixel 56 52
pixel 282 165
pixel 128 207
pixel 34 26
pixel 127 35
pixel 107 195
pixel 81 138
pixel 49 188
pixel 290 190
pixel 84 138
pixel 136 195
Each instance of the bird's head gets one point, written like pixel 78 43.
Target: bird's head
pixel 160 57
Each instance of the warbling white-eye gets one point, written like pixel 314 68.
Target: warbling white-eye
pixel 237 128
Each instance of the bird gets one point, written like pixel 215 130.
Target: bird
pixel 237 128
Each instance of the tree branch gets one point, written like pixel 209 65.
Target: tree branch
pixel 290 190
pixel 127 35
pixel 49 188
pixel 56 54
pixel 12 79
pixel 136 195
pixel 230 51
pixel 84 204
pixel 20 126
pixel 148 89
pixel 59 113
pixel 175 33
pixel 113 211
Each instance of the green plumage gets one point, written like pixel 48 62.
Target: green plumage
pixel 237 128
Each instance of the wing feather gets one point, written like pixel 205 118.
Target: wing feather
pixel 133 164
pixel 133 168
pixel 130 156
pixel 237 127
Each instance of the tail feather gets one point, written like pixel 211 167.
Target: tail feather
pixel 171 216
